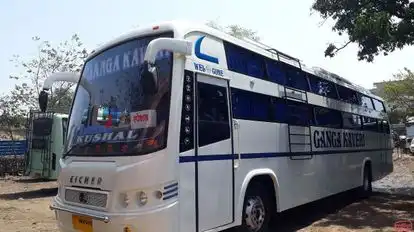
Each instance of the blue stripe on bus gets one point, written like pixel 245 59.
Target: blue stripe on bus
pixel 170 196
pixel 186 159
pixel 170 186
pixel 171 191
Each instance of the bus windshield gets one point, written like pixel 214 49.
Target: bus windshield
pixel 111 114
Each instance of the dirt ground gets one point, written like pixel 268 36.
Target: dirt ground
pixel 24 206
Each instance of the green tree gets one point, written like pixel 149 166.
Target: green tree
pixel 67 56
pixel 399 94
pixel 235 30
pixel 377 26
pixel 11 117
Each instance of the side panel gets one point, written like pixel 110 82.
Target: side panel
pixel 263 143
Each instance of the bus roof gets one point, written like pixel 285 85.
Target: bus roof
pixel 182 28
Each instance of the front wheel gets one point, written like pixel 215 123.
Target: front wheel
pixel 257 210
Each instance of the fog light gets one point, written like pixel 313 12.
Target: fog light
pixel 142 198
pixel 158 194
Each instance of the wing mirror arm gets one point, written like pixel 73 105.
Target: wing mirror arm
pixel 47 85
pixel 149 75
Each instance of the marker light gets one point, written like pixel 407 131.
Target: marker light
pixel 155 28
pixel 142 198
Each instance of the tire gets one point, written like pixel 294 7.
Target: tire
pixel 258 209
pixel 366 188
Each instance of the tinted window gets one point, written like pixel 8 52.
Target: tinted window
pixel 370 124
pixel 298 113
pixel 348 95
pixel 251 106
pixel 366 102
pixel 260 107
pixel 213 114
pixel 244 61
pixel 322 87
pixel 378 105
pixel 351 121
pixel 275 72
pixel 279 113
pixel 241 101
pixel 42 126
pixel 325 117
pixel 296 78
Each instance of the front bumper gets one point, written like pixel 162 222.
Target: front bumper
pixel 164 218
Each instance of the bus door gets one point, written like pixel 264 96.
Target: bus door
pixel 214 153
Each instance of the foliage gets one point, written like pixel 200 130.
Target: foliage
pixel 11 117
pixel 399 94
pixel 67 56
pixel 235 30
pixel 377 26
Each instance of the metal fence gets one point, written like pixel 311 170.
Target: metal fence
pixel 12 159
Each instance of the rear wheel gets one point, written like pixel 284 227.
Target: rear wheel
pixel 257 209
pixel 366 188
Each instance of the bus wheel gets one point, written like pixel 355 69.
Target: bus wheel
pixel 366 188
pixel 257 209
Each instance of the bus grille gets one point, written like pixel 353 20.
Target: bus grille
pixel 86 198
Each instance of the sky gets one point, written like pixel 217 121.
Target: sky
pixel 287 26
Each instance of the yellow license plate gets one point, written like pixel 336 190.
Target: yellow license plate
pixel 81 223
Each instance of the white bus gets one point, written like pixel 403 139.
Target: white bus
pixel 180 127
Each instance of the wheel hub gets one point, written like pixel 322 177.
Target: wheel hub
pixel 255 214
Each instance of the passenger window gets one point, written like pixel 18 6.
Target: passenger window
pixel 367 102
pixel 244 61
pixel 278 110
pixel 251 106
pixel 348 95
pixel 296 78
pixel 379 106
pixel 370 124
pixel 322 87
pixel 299 114
pixel 352 121
pixel 275 72
pixel 325 117
pixel 260 107
pixel 213 121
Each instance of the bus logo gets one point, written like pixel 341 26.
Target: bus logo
pixel 403 226
pixel 203 56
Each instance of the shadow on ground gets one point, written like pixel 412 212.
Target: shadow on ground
pixel 39 193
pixel 347 210
pixel 33 180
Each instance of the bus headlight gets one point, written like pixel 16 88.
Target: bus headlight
pixel 142 198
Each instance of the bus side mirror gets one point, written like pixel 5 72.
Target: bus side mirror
pixel 149 75
pixel 43 98
pixel 47 85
